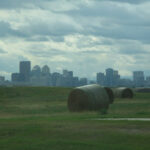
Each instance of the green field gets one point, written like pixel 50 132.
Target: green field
pixel 37 118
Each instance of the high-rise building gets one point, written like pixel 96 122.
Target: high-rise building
pixel 138 78
pixel 116 78
pixel 83 81
pixel 147 81
pixel 75 81
pixel 17 77
pixel 2 78
pixel 36 71
pixel 25 70
pixel 45 70
pixel 67 73
pixel 55 77
pixel 109 77
pixel 100 78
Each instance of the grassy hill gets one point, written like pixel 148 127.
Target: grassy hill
pixel 37 118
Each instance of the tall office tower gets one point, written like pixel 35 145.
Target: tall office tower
pixel 70 74
pixel 68 78
pixel 65 73
pixel 25 70
pixel 148 78
pixel 83 81
pixel 75 81
pixel 100 78
pixel 2 78
pixel 138 78
pixel 109 77
pixel 116 77
pixel 45 70
pixel 36 71
pixel 55 77
pixel 148 81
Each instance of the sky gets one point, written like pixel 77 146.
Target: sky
pixel 85 36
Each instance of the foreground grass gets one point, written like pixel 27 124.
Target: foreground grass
pixel 38 119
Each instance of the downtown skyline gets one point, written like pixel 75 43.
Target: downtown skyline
pixel 74 72
pixel 43 76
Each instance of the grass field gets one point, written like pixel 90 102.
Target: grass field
pixel 37 118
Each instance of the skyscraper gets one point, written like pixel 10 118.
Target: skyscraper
pixel 138 78
pixel 100 78
pixel 116 77
pixel 25 70
pixel 109 77
pixel 45 70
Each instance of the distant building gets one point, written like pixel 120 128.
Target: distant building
pixel 116 78
pixel 75 81
pixel 45 70
pixel 41 81
pixel 16 77
pixel 83 81
pixel 138 78
pixel 92 82
pixel 100 78
pixel 36 71
pixel 68 78
pixel 2 78
pixel 125 82
pixel 25 70
pixel 55 78
pixel 109 77
pixel 67 73
pixel 147 81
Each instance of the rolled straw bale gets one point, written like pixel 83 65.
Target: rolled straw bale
pixel 90 97
pixel 123 92
pixel 142 90
pixel 110 94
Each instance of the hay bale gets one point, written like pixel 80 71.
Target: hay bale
pixel 110 94
pixel 123 92
pixel 142 90
pixel 90 97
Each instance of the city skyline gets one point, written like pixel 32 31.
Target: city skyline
pixel 61 71
pixel 42 76
pixel 85 36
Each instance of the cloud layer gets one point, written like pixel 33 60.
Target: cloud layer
pixel 84 36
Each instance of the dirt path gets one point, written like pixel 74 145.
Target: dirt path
pixel 128 119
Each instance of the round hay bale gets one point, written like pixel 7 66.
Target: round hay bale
pixel 110 94
pixel 142 90
pixel 90 97
pixel 123 92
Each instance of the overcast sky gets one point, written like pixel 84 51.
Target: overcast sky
pixel 86 36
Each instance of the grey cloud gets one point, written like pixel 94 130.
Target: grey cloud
pixel 49 29
pixel 114 21
pixel 132 51
pixel 8 4
pixel 37 39
pixel 122 32
pixel 57 38
pixel 13 4
pixel 42 38
pixel 7 65
pixel 2 51
pixel 129 1
pixel 6 30
pixel 93 52
pixel 46 53
pixel 39 31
